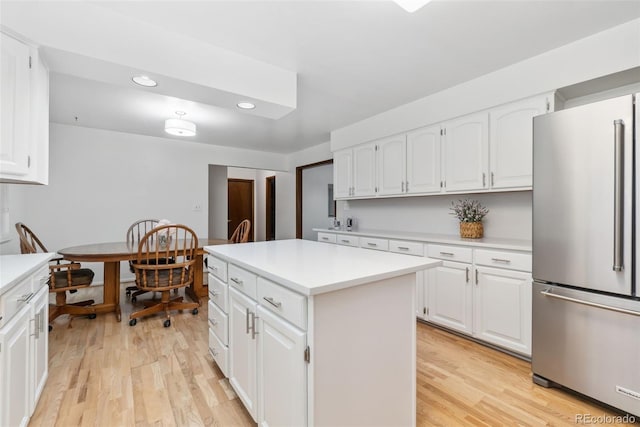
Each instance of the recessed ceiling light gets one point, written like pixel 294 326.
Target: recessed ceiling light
pixel 411 5
pixel 179 127
pixel 145 81
pixel 246 105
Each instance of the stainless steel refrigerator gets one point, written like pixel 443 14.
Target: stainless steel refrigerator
pixel 586 212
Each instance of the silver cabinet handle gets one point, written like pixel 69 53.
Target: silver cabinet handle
pixel 271 301
pixel 253 326
pixel 402 187
pixel 372 244
pixel 446 253
pixel 467 272
pixel 214 268
pixel 214 353
pixel 547 293
pixel 324 238
pixel 484 179
pixel 618 198
pixel 406 186
pixel 344 241
pixel 213 321
pixel 247 321
pixel 403 248
pixel 492 179
pixel 506 261
pixel 37 325
pixel 476 276
pixel 214 293
pixel 236 280
pixel 26 297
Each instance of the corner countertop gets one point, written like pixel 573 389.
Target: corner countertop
pixel 313 268
pixel 14 268
pixel 485 242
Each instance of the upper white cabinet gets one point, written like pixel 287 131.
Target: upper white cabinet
pixel 511 142
pixel 484 151
pixel 24 113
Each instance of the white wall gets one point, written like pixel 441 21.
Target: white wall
pixel 509 214
pixel 604 53
pixel 315 199
pixel 218 202
pixel 102 181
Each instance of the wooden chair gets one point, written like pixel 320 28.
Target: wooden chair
pixel 63 277
pixel 155 273
pixel 136 231
pixel 241 233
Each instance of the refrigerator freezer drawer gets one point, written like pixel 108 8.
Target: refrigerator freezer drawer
pixel 589 343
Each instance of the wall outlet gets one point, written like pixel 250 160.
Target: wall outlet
pixel 197 207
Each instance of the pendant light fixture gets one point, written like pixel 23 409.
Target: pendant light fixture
pixel 180 127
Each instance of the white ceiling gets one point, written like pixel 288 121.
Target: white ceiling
pixel 353 59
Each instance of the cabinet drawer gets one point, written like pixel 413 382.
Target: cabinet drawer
pixel 326 237
pixel 286 303
pixel 343 239
pixel 12 301
pixel 503 259
pixel 219 293
pixel 219 323
pixel 373 243
pixel 219 352
pixel 243 280
pixel 40 279
pixel 217 267
pixel 451 253
pixel 410 248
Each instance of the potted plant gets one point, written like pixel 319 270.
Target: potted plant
pixel 470 214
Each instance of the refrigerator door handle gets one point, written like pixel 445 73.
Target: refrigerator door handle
pixel 618 192
pixel 547 293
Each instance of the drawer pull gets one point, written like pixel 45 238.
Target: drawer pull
pixel 344 241
pixel 26 297
pixel 447 253
pixel 214 353
pixel 213 321
pixel 325 238
pixel 506 261
pixel 236 281
pixel 271 301
pixel 214 268
pixel 214 294
pixel 372 244
pixel 403 248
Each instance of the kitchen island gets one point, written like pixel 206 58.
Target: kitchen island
pixel 310 333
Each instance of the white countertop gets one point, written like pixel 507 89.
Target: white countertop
pixel 14 268
pixel 312 268
pixel 485 242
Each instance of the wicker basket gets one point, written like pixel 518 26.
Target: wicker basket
pixel 471 230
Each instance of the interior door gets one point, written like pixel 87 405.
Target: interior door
pixel 240 205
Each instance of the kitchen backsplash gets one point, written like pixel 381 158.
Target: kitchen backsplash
pixel 510 214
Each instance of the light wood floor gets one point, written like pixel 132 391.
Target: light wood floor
pixel 106 373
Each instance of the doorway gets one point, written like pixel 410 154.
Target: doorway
pixel 240 205
pixel 319 192
pixel 270 208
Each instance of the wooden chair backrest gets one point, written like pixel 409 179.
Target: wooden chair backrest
pixel 241 233
pixel 29 242
pixel 138 229
pixel 153 271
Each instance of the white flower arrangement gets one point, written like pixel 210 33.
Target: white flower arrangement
pixel 468 210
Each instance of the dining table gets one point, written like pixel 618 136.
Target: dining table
pixel 112 253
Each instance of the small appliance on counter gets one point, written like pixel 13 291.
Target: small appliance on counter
pixel 351 222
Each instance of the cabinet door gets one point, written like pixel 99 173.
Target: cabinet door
pixel 423 161
pixel 342 173
pixel 39 344
pixel 14 108
pixel 242 350
pixel 466 150
pixel 450 296
pixel 511 142
pixel 392 158
pixel 282 372
pixel 503 308
pixel 364 170
pixel 14 370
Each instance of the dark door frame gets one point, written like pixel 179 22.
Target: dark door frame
pixel 270 201
pixel 299 170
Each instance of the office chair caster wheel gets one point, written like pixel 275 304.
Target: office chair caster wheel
pixel 167 323
pixel 92 316
pixel 194 311
pixel 134 299
pixel 133 322
pixel 50 328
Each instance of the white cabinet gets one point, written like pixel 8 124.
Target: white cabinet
pixel 282 372
pixel 424 161
pixel 354 172
pixel 450 296
pixel 23 337
pixel 392 165
pixel 243 349
pixel 466 153
pixel 511 142
pixel 502 306
pixel 24 113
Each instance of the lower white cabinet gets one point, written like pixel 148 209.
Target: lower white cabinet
pixel 282 373
pixel 502 307
pixel 243 349
pixel 450 296
pixel 23 338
